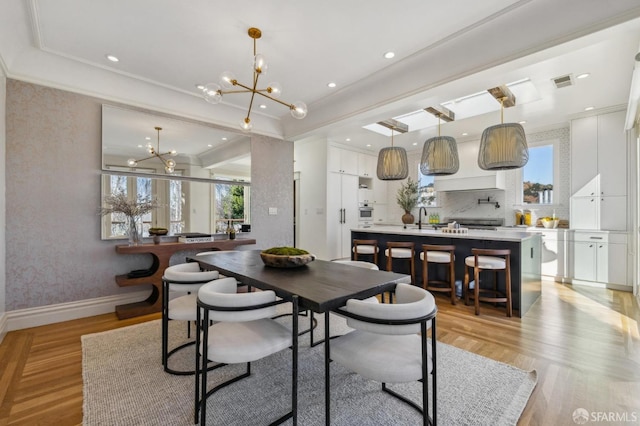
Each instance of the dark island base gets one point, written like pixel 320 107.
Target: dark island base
pixel 525 262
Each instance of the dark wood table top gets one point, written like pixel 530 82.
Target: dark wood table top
pixel 320 285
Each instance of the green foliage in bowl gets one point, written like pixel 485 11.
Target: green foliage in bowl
pixel 286 257
pixel 285 251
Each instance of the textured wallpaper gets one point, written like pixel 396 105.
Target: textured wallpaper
pixel 53 150
pixel 3 228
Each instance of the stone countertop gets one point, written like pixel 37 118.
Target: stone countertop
pixel 473 234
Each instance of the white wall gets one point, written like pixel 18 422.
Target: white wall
pixel 311 161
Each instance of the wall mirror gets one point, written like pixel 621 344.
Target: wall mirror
pixel 131 143
pixel 206 189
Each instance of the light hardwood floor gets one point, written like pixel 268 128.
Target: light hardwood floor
pixel 583 342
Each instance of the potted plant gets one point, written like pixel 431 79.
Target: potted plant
pixel 133 210
pixel 407 199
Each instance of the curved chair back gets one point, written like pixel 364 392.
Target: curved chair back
pixel 359 264
pixel 221 293
pixel 187 277
pixel 411 302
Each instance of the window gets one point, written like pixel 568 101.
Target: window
pixel 540 174
pixel 426 190
pixel 231 205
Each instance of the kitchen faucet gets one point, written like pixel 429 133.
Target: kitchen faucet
pixel 420 216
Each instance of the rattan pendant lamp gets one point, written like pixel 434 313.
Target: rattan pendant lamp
pixel 503 146
pixel 392 161
pixel 440 153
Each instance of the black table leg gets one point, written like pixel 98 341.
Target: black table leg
pixel 327 359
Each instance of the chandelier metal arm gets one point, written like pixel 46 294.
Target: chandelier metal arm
pixel 259 92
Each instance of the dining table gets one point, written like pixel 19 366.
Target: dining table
pixel 320 286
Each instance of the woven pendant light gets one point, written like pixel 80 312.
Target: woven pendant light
pixel 439 154
pixel 503 146
pixel 392 161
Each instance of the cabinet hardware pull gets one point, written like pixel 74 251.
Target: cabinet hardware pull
pixel 595 238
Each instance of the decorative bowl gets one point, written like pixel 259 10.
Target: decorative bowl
pixel 550 223
pixel 286 260
pixel 158 231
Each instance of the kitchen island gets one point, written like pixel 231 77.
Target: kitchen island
pixel 525 254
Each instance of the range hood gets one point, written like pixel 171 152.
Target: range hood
pixel 470 177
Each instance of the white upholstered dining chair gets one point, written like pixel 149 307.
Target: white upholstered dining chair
pixel 243 331
pixel 390 344
pixel 180 284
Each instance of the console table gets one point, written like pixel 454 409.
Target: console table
pixel 161 254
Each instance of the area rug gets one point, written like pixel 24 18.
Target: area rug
pixel 124 384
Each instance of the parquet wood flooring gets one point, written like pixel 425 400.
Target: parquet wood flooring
pixel 583 342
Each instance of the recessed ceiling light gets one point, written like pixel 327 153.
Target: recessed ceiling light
pixel 209 145
pixel 331 84
pixel 389 55
pixel 465 134
pixel 140 146
pixel 589 108
pixel 200 86
pixel 348 139
pixel 224 139
pixel 415 143
pixel 112 58
pixel 263 106
pixel 522 122
pixel 147 138
pixel 368 145
pixel 584 75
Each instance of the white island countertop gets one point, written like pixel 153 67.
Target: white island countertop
pixel 471 234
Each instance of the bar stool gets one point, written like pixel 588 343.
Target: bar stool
pixel 494 260
pixel 368 247
pixel 401 250
pixel 439 255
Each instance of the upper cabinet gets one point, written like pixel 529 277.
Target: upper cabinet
pixel 342 161
pixel 599 172
pixel 367 165
pixel 470 176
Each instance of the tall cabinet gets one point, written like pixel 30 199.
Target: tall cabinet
pixel 599 204
pixel 599 173
pixel 342 213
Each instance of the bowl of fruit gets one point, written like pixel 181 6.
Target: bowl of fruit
pixel 550 222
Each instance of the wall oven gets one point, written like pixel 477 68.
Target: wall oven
pixel 365 212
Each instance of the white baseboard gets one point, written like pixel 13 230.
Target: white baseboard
pixel 42 315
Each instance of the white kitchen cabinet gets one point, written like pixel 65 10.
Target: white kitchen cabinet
pixel 600 257
pixel 380 192
pixel 367 165
pixel 599 173
pixel 342 213
pixel 342 161
pixel 553 253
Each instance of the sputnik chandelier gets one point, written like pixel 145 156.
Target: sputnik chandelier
pixel 169 164
pixel 213 92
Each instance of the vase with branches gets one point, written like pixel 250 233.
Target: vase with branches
pixel 407 198
pixel 132 209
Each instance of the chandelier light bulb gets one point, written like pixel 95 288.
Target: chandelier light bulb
pixel 212 93
pixel 168 169
pixel 132 162
pixel 171 163
pixel 260 64
pixel 227 79
pixel 274 89
pixel 246 125
pixel 299 110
